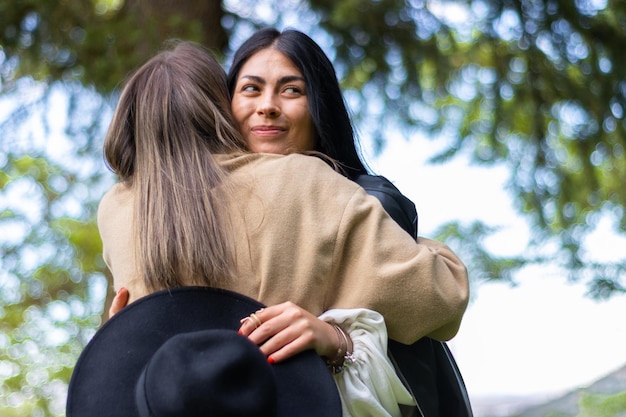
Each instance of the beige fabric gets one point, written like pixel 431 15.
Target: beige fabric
pixel 308 235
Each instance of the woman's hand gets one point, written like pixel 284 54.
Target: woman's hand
pixel 119 301
pixel 283 330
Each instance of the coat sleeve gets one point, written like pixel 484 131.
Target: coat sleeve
pixel 420 286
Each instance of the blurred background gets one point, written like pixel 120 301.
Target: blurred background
pixel 502 120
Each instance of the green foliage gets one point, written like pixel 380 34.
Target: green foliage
pixel 50 268
pixel 469 243
pixel 52 278
pixel 595 405
pixel 97 42
pixel 538 85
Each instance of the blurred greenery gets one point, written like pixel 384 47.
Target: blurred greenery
pixel 596 405
pixel 536 85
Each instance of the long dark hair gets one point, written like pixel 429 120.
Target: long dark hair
pixel 333 129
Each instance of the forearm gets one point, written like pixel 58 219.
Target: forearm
pixel 420 286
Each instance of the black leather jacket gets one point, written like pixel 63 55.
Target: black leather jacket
pixel 427 367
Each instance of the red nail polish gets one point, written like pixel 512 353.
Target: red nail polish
pixel 270 360
pixel 239 331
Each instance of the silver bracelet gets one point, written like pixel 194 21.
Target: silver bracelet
pixel 338 363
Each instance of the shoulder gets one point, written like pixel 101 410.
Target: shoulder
pixel 396 204
pixel 305 170
pixel 117 199
pixel 299 162
pixel 246 160
pixel 118 194
pixel 379 184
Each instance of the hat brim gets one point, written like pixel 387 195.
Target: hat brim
pixel 104 378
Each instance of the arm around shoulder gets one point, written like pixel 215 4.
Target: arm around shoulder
pixel 452 283
pixel 420 286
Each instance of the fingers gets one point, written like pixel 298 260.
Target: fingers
pixel 286 344
pixel 286 329
pixel 119 301
pixel 264 323
pixel 250 323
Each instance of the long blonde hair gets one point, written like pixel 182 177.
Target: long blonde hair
pixel 172 117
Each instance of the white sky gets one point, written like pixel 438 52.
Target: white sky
pixel 542 337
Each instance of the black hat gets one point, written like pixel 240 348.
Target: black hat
pixel 177 353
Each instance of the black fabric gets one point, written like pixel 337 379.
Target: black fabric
pixel 104 378
pixel 207 373
pixel 427 366
pixel 400 208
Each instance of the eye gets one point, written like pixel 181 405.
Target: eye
pixel 293 90
pixel 249 88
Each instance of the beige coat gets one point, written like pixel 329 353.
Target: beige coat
pixel 308 235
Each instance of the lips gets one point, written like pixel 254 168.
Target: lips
pixel 267 130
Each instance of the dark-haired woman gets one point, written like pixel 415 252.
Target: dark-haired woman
pixel 286 98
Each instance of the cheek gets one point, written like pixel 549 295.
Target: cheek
pixel 239 110
pixel 305 122
pixel 306 133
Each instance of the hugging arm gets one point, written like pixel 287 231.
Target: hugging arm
pixel 119 301
pixel 285 330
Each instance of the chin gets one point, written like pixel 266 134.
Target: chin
pixel 271 148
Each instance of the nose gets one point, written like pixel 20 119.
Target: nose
pixel 268 106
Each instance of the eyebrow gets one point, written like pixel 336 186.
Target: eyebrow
pixel 281 80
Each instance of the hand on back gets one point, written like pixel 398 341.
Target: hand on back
pixel 284 330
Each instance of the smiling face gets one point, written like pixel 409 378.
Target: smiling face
pixel 270 105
